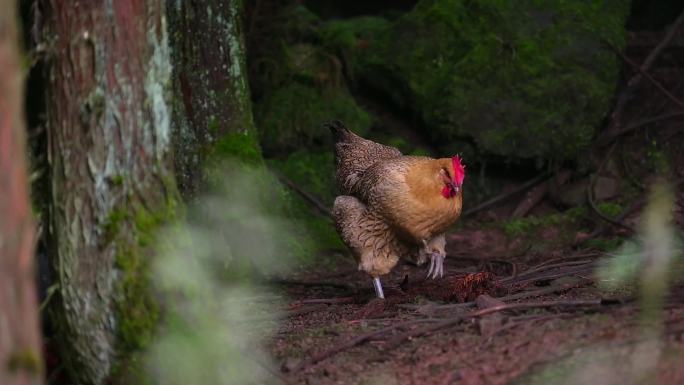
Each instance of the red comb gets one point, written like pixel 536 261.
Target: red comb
pixel 459 169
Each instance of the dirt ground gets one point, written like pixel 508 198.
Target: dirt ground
pixel 563 330
pixel 509 310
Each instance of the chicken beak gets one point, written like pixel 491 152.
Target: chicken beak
pixel 454 187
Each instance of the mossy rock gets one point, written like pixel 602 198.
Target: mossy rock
pixel 525 79
pixel 299 85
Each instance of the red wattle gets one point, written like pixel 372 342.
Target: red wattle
pixel 446 192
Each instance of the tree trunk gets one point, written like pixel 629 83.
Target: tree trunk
pixel 20 354
pixel 212 110
pixel 111 179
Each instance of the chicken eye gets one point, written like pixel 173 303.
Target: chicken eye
pixel 445 176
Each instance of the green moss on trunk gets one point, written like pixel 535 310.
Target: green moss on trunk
pixel 137 308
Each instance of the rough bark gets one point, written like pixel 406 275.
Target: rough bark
pixel 20 353
pixel 111 173
pixel 211 93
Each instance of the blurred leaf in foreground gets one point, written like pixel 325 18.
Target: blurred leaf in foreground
pixel 215 320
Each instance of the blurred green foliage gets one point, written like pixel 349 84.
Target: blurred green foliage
pixel 610 209
pixel 300 85
pixel 648 259
pixel 291 116
pixel 216 319
pixel 532 225
pixel 314 170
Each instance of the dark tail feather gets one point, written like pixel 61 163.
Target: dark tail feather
pixel 339 131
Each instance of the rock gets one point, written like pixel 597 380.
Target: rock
pixel 574 194
pixel 531 199
pixel 605 188
pixel 524 79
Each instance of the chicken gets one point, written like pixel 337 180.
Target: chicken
pixel 393 206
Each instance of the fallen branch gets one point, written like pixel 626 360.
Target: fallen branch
pixel 506 195
pixel 438 324
pixel 320 206
pixel 629 211
pixel 294 282
pixel 304 310
pixel 579 270
pixel 590 194
pixel 526 276
pixel 353 342
pixel 324 300
pixel 514 297
pixel 635 80
pixel 570 258
pixel 284 314
pixel 515 323
pixel 601 229
pixel 642 123
pixel 495 309
pixel 513 265
pixel 532 198
pixel 554 289
pixel 592 205
pixel 544 267
pixel 653 81
pixel 663 43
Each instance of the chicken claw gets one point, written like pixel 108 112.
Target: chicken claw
pixel 378 287
pixel 436 268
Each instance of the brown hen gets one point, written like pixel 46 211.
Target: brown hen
pixel 393 206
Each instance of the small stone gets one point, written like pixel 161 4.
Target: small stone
pixel 605 188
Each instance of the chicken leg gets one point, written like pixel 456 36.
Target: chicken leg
pixel 378 288
pixel 436 248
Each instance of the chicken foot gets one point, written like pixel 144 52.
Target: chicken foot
pixel 436 249
pixel 436 268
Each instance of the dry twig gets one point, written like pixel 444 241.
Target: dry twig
pixel 634 126
pixel 653 81
pixel 295 282
pixel 532 272
pixel 320 206
pixel 353 342
pixel 324 300
pixel 494 309
pixel 506 195
pixel 634 82
pixel 629 211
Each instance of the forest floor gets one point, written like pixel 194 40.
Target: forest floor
pixel 497 317
pixel 528 309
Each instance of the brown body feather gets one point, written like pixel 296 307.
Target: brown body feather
pixel 406 191
pixel 392 206
pixel 354 154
